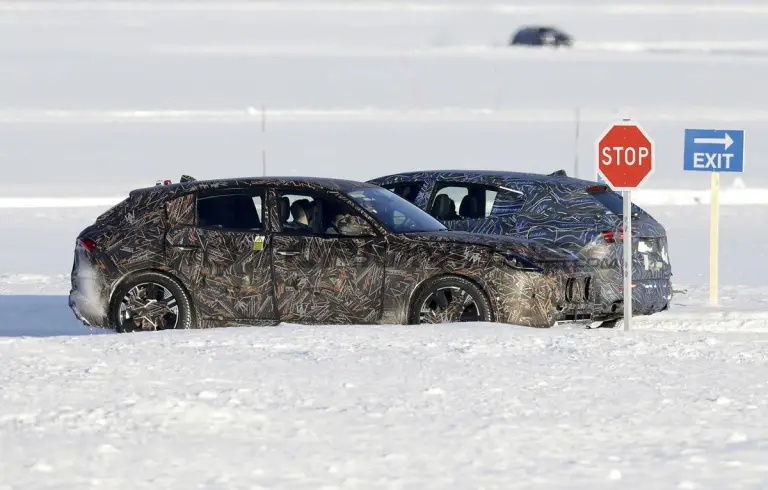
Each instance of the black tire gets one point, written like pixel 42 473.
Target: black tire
pixel 184 315
pixel 483 310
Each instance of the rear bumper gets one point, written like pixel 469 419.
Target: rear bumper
pixel 86 311
pixel 89 296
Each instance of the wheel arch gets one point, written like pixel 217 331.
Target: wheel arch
pixel 426 282
pixel 130 275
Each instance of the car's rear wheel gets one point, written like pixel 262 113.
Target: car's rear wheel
pixel 150 301
pixel 450 299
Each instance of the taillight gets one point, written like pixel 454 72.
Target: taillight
pixel 610 236
pixel 88 244
pixel 597 188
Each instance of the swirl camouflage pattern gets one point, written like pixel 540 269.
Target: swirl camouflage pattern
pixel 581 216
pixel 261 251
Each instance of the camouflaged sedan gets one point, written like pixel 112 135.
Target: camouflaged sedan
pixel 260 251
pixel 581 216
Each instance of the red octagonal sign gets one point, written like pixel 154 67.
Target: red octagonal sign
pixel 625 156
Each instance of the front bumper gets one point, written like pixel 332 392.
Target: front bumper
pixel 543 299
pixel 576 299
pixel 649 296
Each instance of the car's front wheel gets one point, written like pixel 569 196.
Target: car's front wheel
pixel 150 301
pixel 450 299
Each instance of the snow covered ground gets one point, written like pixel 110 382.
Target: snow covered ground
pixel 99 98
pixel 470 406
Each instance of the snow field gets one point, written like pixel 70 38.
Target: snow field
pixel 452 406
pixel 424 85
pixel 114 158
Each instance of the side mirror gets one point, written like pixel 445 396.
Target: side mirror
pixel 354 226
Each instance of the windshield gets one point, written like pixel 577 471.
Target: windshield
pixel 397 214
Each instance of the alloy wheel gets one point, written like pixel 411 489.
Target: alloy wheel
pixel 148 306
pixel 449 305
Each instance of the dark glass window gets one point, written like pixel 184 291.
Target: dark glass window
pixel 406 190
pixel 231 211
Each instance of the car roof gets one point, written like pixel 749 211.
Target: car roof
pixel 536 28
pixel 312 183
pixel 503 175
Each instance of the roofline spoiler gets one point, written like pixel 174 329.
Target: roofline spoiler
pixel 187 178
pixel 558 173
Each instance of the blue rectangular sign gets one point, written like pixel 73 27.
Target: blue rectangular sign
pixel 714 150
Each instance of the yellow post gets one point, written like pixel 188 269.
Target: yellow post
pixel 714 234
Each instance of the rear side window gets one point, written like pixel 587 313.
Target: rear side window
pixel 507 203
pixel 406 190
pixel 242 211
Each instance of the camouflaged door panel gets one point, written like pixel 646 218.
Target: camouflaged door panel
pixel 236 281
pixel 219 249
pixel 350 288
pixel 328 280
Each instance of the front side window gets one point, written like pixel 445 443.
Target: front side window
pixel 313 213
pixel 235 210
pixel 394 212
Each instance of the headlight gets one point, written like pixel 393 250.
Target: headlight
pixel 517 262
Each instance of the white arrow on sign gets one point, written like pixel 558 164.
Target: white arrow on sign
pixel 726 141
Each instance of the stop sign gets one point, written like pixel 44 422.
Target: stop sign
pixel 625 155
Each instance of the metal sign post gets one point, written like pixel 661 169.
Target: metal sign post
pixel 627 244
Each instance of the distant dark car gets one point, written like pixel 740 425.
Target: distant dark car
pixel 581 216
pixel 541 36
pixel 258 251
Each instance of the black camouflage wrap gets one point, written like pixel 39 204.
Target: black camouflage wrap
pixel 556 210
pixel 267 276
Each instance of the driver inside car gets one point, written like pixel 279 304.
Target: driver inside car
pixel 347 225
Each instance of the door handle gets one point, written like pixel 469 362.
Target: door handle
pixel 287 254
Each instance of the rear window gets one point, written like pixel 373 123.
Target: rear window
pixel 610 200
pixel 613 201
